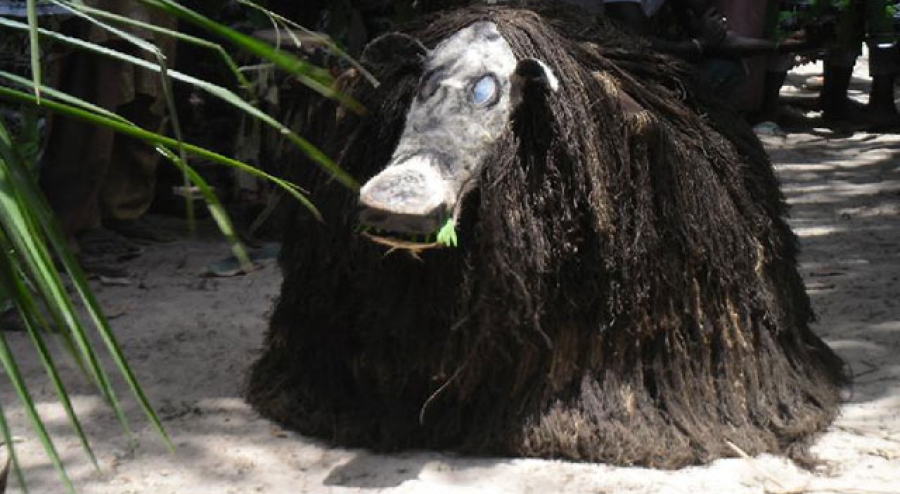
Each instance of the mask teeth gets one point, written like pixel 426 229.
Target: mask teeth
pixel 423 238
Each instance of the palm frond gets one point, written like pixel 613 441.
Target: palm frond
pixel 220 92
pixel 34 45
pixel 40 277
pixel 323 39
pixel 157 139
pixel 314 77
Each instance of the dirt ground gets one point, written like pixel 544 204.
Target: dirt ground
pixel 191 338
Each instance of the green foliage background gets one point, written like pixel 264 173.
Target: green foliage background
pixel 39 277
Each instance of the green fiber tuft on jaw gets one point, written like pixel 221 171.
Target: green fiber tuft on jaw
pixel 447 235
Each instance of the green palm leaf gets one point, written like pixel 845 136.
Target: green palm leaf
pixel 218 91
pixel 20 259
pixel 34 254
pixel 314 77
pixel 34 46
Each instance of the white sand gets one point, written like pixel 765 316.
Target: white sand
pixel 191 340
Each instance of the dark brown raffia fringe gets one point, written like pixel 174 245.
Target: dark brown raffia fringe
pixel 625 290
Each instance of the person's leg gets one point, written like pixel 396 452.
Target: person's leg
pixel 883 68
pixel 775 68
pixel 833 97
pixel 76 160
pixel 130 182
pixel 77 154
pixel 839 62
pixel 774 79
pixel 884 62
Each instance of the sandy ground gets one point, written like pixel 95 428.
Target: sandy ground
pixel 191 338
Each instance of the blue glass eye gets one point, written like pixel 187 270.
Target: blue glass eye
pixel 484 90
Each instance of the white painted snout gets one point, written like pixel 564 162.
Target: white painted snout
pixel 410 197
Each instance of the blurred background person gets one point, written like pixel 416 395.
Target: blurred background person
pixel 99 183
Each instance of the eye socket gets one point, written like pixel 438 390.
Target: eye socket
pixel 430 83
pixel 484 92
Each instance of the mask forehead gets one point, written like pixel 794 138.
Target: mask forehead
pixel 443 120
pixel 477 48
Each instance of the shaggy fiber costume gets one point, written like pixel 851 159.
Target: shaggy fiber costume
pixel 625 289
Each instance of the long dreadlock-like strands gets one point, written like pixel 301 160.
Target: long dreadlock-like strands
pixel 625 289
